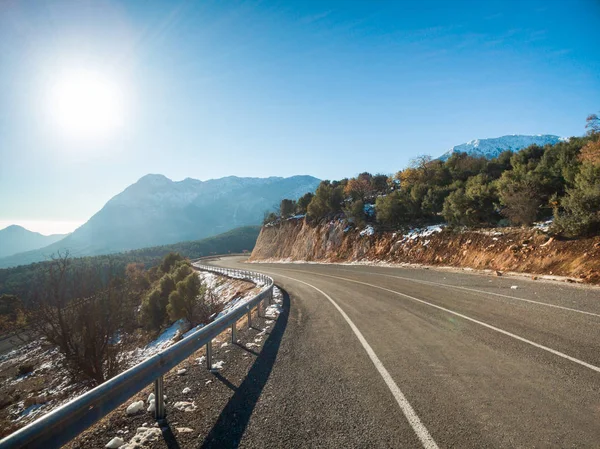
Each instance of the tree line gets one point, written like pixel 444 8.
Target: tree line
pixel 516 188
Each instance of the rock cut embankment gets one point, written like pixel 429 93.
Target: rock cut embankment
pixel 505 249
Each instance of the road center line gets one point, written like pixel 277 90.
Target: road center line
pixel 410 414
pixel 489 326
pixel 419 281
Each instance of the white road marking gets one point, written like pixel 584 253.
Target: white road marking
pixel 419 281
pixel 489 326
pixel 410 414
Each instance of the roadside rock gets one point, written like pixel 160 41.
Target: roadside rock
pixel 115 443
pixel 135 407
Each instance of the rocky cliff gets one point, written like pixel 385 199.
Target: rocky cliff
pixel 505 249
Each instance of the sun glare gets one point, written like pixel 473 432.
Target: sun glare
pixel 86 105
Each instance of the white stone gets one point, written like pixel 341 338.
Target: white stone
pixel 115 443
pixel 181 372
pixel 135 407
pixel 186 390
pixel 184 430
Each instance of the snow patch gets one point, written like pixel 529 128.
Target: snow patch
pixel 143 436
pixel 135 407
pixel 185 406
pixel 218 365
pixel 368 231
pixel 416 233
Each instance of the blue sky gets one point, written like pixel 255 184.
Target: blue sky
pixel 279 88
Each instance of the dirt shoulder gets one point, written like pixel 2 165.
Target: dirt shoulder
pixel 197 399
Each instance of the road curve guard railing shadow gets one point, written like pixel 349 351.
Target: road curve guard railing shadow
pixel 66 422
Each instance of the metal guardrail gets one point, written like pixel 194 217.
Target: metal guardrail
pixel 66 422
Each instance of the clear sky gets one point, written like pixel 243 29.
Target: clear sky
pixel 208 89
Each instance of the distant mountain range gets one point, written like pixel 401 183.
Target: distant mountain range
pixel 491 148
pixel 16 239
pixel 157 211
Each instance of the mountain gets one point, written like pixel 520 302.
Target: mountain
pixel 158 211
pixel 16 239
pixel 491 148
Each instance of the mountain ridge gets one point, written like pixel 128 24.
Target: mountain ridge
pixel 157 211
pixel 493 146
pixel 16 239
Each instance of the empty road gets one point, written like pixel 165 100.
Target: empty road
pixel 394 357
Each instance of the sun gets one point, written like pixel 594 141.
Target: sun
pixel 86 105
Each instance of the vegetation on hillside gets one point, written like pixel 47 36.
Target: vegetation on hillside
pixel 536 183
pixel 91 313
pixel 22 281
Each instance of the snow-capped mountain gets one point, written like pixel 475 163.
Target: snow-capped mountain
pixel 491 148
pixel 157 211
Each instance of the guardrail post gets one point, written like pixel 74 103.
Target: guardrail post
pixel 159 398
pixel 209 355
pixel 234 333
pixel 249 318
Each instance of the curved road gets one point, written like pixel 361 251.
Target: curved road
pixel 393 357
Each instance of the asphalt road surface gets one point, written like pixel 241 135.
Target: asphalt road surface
pixel 394 357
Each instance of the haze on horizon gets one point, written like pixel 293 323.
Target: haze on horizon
pixel 94 95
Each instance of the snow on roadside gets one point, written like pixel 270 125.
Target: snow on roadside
pixel 416 233
pixel 368 231
pixel 223 289
pixel 543 225
pixel 58 386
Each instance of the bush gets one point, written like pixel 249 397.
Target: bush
pixel 355 212
pixel 84 330
pixel 521 195
pixel 170 261
pixel 579 211
pixel 303 202
pixel 270 217
pixel 287 208
pixel 472 205
pixel 327 201
pixel 192 300
pixel 25 368
pixel 391 209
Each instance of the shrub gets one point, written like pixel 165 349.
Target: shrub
pixel 579 211
pixel 192 300
pixel 287 208
pixel 327 200
pixel 355 212
pixel 303 202
pixel 391 209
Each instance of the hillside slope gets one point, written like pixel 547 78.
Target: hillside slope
pixel 157 211
pixel 16 239
pixel 510 249
pixel 24 279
